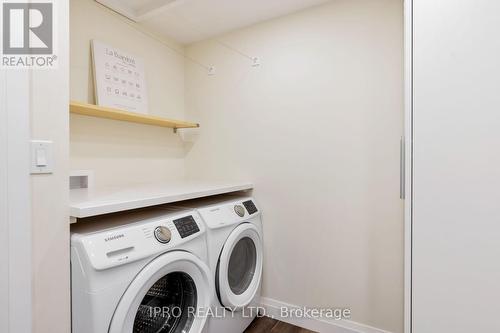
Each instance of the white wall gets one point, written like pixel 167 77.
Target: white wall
pixel 119 152
pixel 317 129
pixel 50 213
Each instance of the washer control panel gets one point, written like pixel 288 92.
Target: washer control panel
pixel 155 232
pixel 186 226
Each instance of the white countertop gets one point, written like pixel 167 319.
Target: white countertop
pixel 86 203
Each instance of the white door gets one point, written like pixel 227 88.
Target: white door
pixel 240 267
pixel 167 296
pixel 456 170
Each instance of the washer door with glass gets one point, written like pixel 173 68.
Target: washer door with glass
pixel 165 297
pixel 240 267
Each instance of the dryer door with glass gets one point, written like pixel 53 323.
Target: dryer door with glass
pixel 239 270
pixel 165 297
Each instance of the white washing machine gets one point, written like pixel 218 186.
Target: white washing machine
pixel 140 272
pixel 235 255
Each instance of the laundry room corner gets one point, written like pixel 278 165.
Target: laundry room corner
pixel 317 127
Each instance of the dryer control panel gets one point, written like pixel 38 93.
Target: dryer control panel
pixel 233 212
pixel 250 207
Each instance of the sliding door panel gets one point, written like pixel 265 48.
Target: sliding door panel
pixel 456 212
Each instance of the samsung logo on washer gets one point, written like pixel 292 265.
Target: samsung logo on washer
pixel 114 237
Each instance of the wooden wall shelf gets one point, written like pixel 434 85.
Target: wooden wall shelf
pixel 115 114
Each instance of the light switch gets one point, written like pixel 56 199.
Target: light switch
pixel 41 157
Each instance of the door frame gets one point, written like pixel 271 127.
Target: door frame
pixel 408 169
pixel 15 202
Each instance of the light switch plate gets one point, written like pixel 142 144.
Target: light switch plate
pixel 41 157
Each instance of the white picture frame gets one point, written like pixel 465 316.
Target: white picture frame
pixel 119 79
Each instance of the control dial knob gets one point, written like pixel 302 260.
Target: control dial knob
pixel 240 210
pixel 163 234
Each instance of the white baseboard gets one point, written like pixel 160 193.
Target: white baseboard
pixel 273 310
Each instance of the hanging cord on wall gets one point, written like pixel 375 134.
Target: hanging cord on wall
pixel 255 60
pixel 199 31
pixel 139 28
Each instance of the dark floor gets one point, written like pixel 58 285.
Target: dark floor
pixel 268 325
